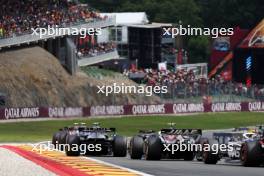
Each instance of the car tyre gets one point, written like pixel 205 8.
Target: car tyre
pixel 72 141
pixel 199 154
pixel 251 153
pixel 120 146
pixel 210 157
pixel 136 147
pixel 63 136
pixel 153 148
pixel 188 156
pixel 55 139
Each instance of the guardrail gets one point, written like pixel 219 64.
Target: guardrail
pixel 144 109
pixel 29 38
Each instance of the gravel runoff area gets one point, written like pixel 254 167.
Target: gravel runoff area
pixel 12 164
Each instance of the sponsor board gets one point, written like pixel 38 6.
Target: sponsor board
pixel 148 109
pixel 107 110
pixel 144 109
pixel 65 112
pixel 255 106
pixel 226 107
pixel 16 113
pixel 188 108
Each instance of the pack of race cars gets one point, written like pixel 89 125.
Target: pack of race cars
pixel 244 144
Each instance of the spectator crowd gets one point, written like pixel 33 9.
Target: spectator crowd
pixel 19 17
pixel 94 49
pixel 184 84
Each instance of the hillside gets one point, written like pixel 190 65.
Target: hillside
pixel 34 77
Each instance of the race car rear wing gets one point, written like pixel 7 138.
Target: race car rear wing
pixel 241 129
pixel 225 137
pixel 107 130
pixel 146 131
pixel 181 131
pixel 227 134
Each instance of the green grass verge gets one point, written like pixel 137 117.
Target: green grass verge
pixel 100 73
pixel 43 130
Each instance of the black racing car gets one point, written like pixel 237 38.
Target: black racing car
pixel 151 145
pixel 95 139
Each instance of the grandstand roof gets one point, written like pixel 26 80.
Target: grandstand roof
pixel 255 39
pixel 128 18
pixel 152 25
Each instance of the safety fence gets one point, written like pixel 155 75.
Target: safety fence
pixel 144 109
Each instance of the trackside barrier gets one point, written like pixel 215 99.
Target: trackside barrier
pixel 144 109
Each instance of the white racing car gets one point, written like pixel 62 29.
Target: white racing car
pixel 243 144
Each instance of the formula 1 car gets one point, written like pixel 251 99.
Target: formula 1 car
pixel 252 151
pixel 153 145
pixel 242 144
pixel 95 139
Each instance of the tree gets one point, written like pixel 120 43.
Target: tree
pixel 198 47
pixel 231 13
pixel 197 13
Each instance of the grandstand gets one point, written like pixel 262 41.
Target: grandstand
pixel 50 85
pixel 16 29
pixel 184 86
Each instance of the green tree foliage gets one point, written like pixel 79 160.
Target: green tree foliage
pixel 198 13
pixel 171 11
pixel 168 11
pixel 199 50
pixel 231 13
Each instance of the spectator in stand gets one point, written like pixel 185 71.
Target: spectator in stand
pixel 185 82
pixel 88 47
pixel 18 17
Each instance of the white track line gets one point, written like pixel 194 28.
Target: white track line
pixel 110 164
pixel 117 166
pixel 92 159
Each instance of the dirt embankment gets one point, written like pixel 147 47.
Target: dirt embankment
pixel 34 77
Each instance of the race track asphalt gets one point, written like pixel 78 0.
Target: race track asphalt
pixel 186 168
